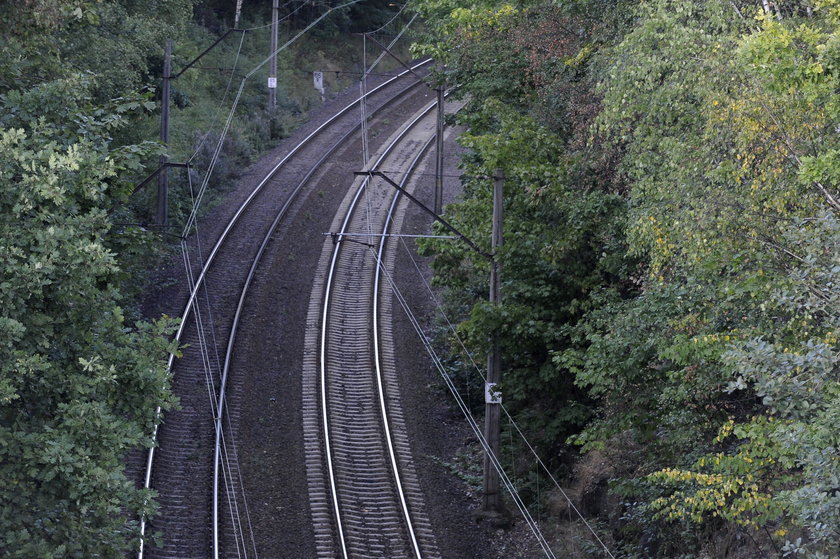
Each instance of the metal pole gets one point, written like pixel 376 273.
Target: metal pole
pixel 161 215
pixel 238 12
pixel 423 207
pixel 272 72
pixel 493 398
pixel 363 103
pixel 439 154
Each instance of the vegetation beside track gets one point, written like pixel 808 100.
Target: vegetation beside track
pixel 81 372
pixel 672 252
pixel 670 268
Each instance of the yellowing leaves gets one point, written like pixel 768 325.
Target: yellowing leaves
pixel 734 498
pixel 473 20
pixel 656 236
pixel 725 430
pixel 739 486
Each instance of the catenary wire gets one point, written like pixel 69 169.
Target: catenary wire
pixel 279 20
pixel 218 110
pixel 468 416
pixel 214 402
pixel 192 219
pixel 454 332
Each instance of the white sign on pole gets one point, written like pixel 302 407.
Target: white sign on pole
pixel 492 394
pixel 318 80
pixel 272 83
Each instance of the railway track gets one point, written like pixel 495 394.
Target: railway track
pixel 365 495
pixel 196 468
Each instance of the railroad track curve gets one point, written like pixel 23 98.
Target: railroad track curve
pixel 180 469
pixel 365 495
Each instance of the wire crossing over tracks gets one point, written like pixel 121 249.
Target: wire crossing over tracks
pixel 195 470
pixel 366 499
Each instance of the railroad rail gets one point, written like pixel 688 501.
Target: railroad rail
pixel 179 470
pixel 365 495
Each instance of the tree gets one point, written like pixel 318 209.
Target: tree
pixel 119 41
pixel 689 315
pixel 722 125
pixel 78 385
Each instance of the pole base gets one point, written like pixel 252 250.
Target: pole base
pixel 498 518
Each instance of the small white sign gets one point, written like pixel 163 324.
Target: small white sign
pixel 492 395
pixel 318 80
pixel 272 83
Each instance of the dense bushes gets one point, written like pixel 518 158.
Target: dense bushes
pixel 673 255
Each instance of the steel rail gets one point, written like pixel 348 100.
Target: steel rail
pixel 240 307
pixel 222 238
pixel 375 314
pixel 323 368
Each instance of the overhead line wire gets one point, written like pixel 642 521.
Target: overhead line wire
pixel 299 35
pixel 192 222
pixel 518 502
pixel 468 354
pixel 214 399
pixel 282 19
pixel 222 100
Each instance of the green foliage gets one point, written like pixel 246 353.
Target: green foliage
pixel 779 466
pixel 479 37
pixel 794 370
pixel 530 54
pixel 81 375
pixel 728 141
pixel 123 43
pixel 557 240
pixel 674 221
pixel 78 386
pixel 118 41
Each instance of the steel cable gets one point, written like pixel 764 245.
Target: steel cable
pixel 215 404
pixel 520 505
pixel 191 224
pixel 468 354
pixel 218 111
